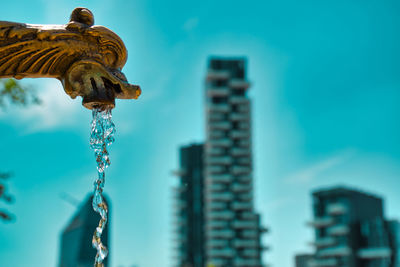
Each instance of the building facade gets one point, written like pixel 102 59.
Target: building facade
pixel 394 237
pixel 303 260
pixel 351 230
pixel 76 240
pixel 215 221
pixel 189 208
pixel 232 227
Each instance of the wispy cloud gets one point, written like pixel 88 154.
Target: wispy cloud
pixel 56 110
pixel 308 174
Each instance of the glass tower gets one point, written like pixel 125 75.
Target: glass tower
pixel 189 208
pixel 76 239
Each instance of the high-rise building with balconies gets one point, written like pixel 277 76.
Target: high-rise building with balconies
pixel 215 221
pixel 351 231
pixel 232 227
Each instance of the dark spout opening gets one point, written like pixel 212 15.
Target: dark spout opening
pixel 108 84
pixel 101 97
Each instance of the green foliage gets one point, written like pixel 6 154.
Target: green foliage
pixel 11 91
pixel 4 215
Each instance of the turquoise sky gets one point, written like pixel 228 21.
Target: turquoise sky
pixel 325 89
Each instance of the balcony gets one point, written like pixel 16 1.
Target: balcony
pixel 321 222
pixel 223 142
pixel 216 225
pixel 222 108
pixel 244 224
pixel 217 91
pixel 217 75
pixel 237 134
pixel 219 160
pixel 251 253
pixel 250 234
pixel 240 151
pixel 245 178
pixel 323 263
pixel 236 170
pixel 244 143
pixel 247 262
pixel 238 100
pixel 222 178
pixel 336 209
pixel 221 215
pixel 248 216
pixel 241 187
pixel 244 161
pixel 340 251
pixel 338 230
pixel 239 84
pixel 215 243
pixel 244 125
pixel 214 187
pixel 216 206
pixel 223 234
pixel 214 169
pixel 239 117
pixel 215 116
pixel 245 243
pixel 226 196
pixel 223 253
pixel 246 196
pixel 221 125
pixel 244 108
pixel 374 253
pixel 215 151
pixel 242 205
pixel 324 242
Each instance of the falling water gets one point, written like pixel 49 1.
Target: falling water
pixel 101 136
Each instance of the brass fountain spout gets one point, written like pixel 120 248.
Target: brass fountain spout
pixel 87 59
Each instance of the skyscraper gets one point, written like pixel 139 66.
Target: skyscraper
pixel 189 208
pixel 215 221
pixel 351 231
pixel 76 239
pixel 232 227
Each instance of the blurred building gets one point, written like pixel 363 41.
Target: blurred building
pixel 216 183
pixel 189 208
pixel 351 230
pixel 303 260
pixel 232 226
pixel 394 237
pixel 76 240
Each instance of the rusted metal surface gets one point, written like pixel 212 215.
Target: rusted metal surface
pixel 87 59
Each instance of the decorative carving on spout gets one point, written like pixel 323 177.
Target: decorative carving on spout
pixel 87 59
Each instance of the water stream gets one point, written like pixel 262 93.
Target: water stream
pixel 101 136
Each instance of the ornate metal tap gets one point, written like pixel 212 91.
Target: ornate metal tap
pixel 87 59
